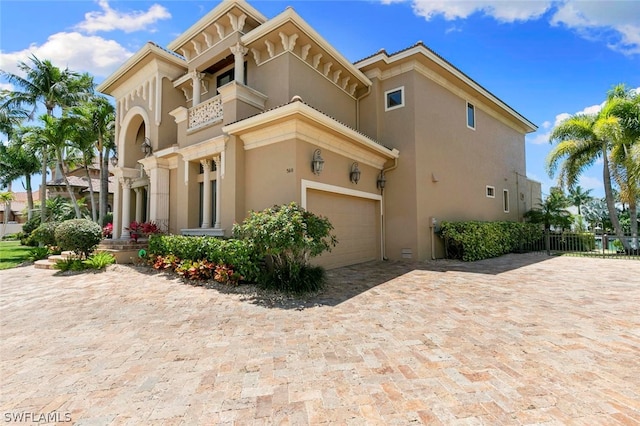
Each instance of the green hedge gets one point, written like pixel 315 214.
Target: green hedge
pixel 472 241
pixel 238 253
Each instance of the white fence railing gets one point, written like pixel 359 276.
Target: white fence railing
pixel 206 112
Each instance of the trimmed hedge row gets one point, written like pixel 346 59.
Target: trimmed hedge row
pixel 238 253
pixel 473 240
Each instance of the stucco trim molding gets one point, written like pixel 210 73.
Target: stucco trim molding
pixel 319 186
pixel 205 149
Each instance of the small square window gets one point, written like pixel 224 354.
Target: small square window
pixel 491 192
pixel 394 98
pixel 471 116
pixel 505 200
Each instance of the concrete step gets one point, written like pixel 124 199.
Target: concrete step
pixel 50 261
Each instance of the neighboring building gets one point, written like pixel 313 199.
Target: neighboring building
pixel 231 116
pixel 79 184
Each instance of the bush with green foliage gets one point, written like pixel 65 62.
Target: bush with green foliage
pixel 27 228
pixel 45 233
pixel 288 236
pixel 79 235
pixel 472 240
pixel 100 260
pixel 70 264
pixel 229 252
pixel 38 253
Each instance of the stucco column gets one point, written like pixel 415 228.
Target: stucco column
pixel 218 191
pixel 116 211
pixel 139 206
pixel 159 195
pixel 195 81
pixel 206 193
pixel 238 55
pixel 126 207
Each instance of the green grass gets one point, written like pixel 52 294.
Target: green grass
pixel 12 254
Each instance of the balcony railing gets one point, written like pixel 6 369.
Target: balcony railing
pixel 206 112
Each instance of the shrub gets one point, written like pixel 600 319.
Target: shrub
pixel 27 228
pixel 100 260
pixel 38 253
pixel 142 229
pixel 107 230
pixel 45 233
pixel 288 236
pixel 70 264
pixel 108 218
pixel 79 235
pixel 472 241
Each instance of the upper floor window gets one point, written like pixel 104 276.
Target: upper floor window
pixel 471 116
pixel 394 98
pixel 225 77
pixel 505 200
pixel 491 191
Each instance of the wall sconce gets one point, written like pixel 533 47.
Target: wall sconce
pixel 382 181
pixel 146 147
pixel 317 163
pixel 355 173
pixel 114 159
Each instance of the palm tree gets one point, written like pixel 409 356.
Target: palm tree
pixel 17 161
pixel 552 211
pixel 46 84
pixel 98 117
pixel 578 197
pixel 55 134
pixel 11 116
pixel 582 139
pixel 5 199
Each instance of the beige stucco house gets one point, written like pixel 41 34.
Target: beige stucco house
pixel 242 112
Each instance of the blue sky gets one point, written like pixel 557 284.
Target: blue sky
pixel 546 59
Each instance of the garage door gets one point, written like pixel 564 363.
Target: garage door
pixel 356 223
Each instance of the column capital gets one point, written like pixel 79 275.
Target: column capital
pixel 195 75
pixel 206 163
pixel 239 49
pixel 125 182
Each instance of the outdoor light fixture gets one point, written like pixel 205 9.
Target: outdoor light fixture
pixel 114 159
pixel 355 173
pixel 382 181
pixel 317 163
pixel 146 147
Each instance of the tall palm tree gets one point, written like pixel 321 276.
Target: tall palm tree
pixel 578 197
pixel 43 83
pixel 11 116
pixel 583 139
pixel 98 116
pixel 17 161
pixel 5 199
pixel 55 134
pixel 625 154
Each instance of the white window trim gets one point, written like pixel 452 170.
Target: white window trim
pixel 466 115
pixel 486 191
pixel 505 200
pixel 388 108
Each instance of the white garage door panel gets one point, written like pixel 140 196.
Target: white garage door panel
pixel 356 223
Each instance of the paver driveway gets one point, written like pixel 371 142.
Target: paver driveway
pixel 517 340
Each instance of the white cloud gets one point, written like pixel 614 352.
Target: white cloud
pixel 7 86
pixel 538 138
pixel 503 11
pixel 78 52
pixel 546 124
pixel 109 19
pixel 614 21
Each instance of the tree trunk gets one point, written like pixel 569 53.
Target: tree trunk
pixel 43 187
pixel 29 196
pixel 104 184
pixel 72 196
pixel 633 216
pixel 611 205
pixel 93 200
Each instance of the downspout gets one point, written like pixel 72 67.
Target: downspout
pixel 384 216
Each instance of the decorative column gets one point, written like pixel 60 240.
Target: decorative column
pixel 206 193
pixel 218 190
pixel 238 55
pixel 159 194
pixel 117 212
pixel 195 81
pixel 139 206
pixel 126 207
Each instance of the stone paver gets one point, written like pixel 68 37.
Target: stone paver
pixel 523 339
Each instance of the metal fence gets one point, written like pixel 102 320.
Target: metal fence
pixel 586 244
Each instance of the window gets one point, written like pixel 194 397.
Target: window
pixel 491 192
pixel 394 98
pixel 505 200
pixel 225 77
pixel 471 116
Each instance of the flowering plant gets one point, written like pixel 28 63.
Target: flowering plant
pixel 107 230
pixel 142 229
